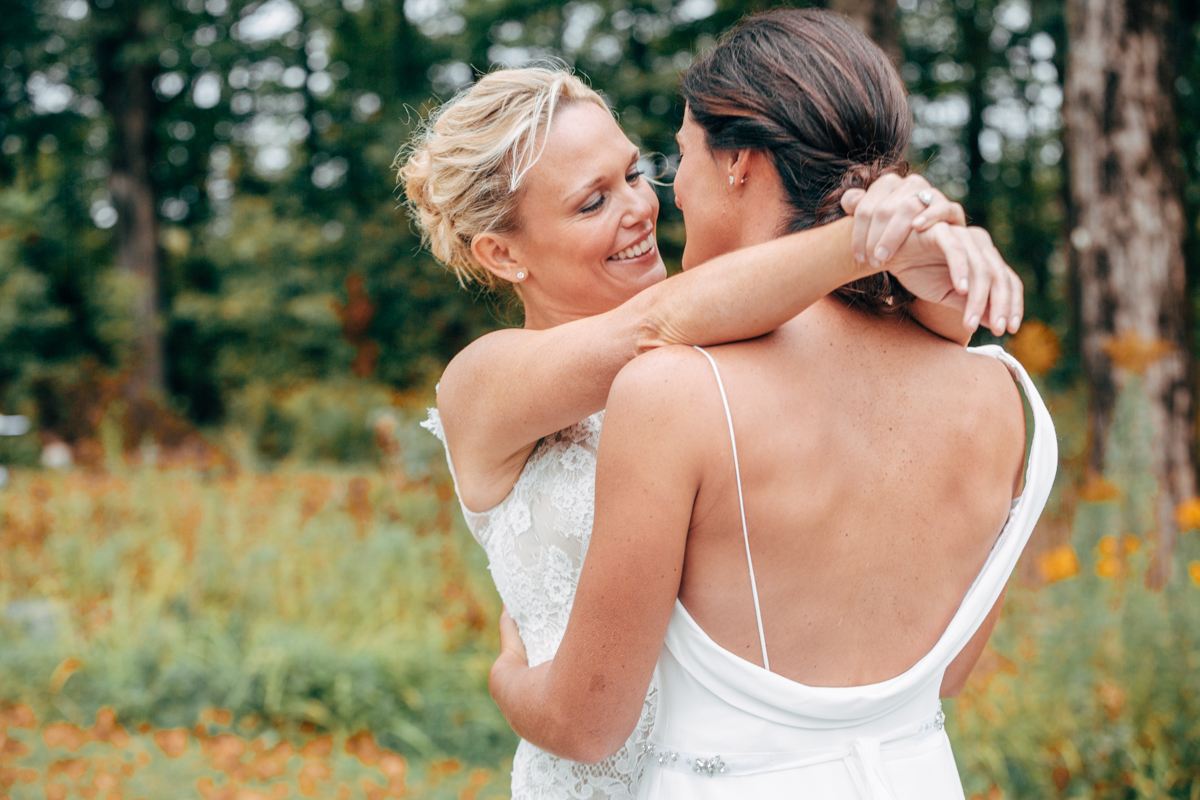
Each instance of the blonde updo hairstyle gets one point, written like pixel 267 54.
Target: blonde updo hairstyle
pixel 464 169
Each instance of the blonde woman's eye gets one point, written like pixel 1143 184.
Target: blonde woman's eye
pixel 590 207
pixel 633 176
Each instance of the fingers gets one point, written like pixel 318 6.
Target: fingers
pixel 900 202
pixel 865 211
pixel 950 242
pixel 1008 304
pixel 907 208
pixel 510 636
pixel 1018 309
pixel 942 209
pixel 850 200
pixel 987 302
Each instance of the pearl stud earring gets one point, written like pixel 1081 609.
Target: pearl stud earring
pixel 520 276
pixel 731 180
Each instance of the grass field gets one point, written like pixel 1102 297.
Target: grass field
pixel 232 633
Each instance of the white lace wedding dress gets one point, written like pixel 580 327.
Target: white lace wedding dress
pixel 535 540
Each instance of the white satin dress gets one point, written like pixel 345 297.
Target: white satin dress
pixel 727 729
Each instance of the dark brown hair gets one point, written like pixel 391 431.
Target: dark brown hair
pixel 810 89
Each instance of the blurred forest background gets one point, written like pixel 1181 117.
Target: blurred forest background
pixel 223 529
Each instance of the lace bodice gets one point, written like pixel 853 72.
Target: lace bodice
pixel 536 539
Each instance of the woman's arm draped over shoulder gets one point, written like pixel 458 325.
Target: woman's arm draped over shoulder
pixel 584 704
pixel 510 388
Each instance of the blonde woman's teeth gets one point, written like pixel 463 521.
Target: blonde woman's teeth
pixel 638 249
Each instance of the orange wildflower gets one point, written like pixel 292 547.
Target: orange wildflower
pixel 10 748
pixel 317 748
pixel 73 768
pixel 1187 514
pixel 374 791
pixel 210 792
pixel 64 734
pixel 1058 563
pixel 394 767
pixel 56 791
pixel 105 780
pixel 1097 490
pixel 18 717
pixel 311 773
pixel 106 729
pixel 171 742
pixel 1108 567
pixel 1112 698
pixel 478 779
pixel 1194 572
pixel 1130 351
pixel 1035 346
pixel 226 751
pixel 363 746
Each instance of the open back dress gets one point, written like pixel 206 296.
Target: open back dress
pixel 729 729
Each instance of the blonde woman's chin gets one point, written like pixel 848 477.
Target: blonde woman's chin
pixel 641 271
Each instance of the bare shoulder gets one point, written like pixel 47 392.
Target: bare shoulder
pixel 664 374
pixel 995 410
pixel 671 388
pixel 465 372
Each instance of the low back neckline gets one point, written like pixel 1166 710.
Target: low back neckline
pixel 1043 452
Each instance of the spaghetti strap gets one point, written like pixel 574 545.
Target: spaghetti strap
pixel 762 639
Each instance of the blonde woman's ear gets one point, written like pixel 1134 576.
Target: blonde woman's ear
pixel 495 254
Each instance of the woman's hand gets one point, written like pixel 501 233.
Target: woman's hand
pixel 961 268
pixel 890 209
pixel 977 282
pixel 511 643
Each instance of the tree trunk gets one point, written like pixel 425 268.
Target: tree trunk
pixel 875 18
pixel 1127 243
pixel 979 57
pixel 128 95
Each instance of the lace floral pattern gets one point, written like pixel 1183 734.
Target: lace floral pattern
pixel 535 540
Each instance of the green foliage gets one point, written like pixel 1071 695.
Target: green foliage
pixel 275 187
pixel 1101 697
pixel 338 599
pixel 313 422
pixel 335 601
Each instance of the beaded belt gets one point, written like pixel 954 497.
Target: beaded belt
pixel 863 757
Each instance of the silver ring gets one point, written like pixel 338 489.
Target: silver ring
pixel 925 197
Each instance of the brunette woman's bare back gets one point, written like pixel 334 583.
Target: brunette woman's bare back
pixel 878 463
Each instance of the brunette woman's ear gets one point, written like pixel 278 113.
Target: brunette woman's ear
pixel 495 253
pixel 740 165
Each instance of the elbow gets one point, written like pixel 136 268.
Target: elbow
pixel 649 335
pixel 590 747
pixel 581 735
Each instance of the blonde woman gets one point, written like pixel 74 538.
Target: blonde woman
pixel 524 183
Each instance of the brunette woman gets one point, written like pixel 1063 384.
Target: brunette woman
pixel 821 527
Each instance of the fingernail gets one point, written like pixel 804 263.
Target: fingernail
pixel 974 321
pixel 918 222
pixel 1016 323
pixel 874 262
pixel 860 257
pixel 881 254
pixel 962 284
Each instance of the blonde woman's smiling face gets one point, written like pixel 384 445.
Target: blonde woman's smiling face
pixel 586 236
